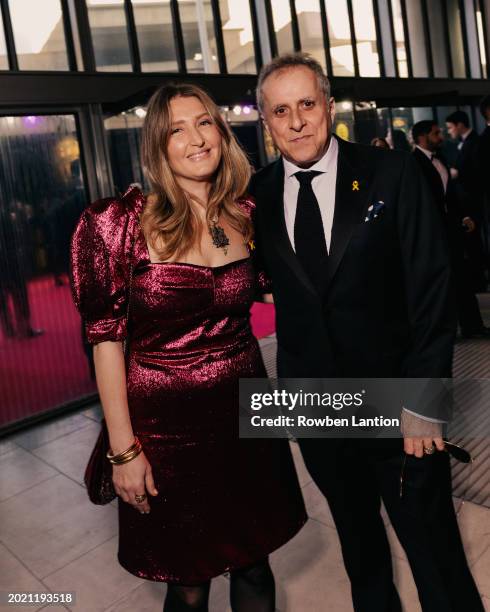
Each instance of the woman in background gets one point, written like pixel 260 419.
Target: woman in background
pixel 194 500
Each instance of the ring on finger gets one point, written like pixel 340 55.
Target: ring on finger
pixel 139 499
pixel 429 450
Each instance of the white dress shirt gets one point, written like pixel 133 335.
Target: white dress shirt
pixel 463 138
pixel 323 187
pixel 438 165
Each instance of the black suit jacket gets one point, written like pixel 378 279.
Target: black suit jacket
pixel 483 161
pixel 468 182
pixel 450 207
pixel 385 309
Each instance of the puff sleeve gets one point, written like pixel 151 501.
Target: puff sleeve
pixel 99 256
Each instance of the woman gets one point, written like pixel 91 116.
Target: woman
pixel 196 501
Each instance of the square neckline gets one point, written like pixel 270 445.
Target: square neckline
pixel 185 263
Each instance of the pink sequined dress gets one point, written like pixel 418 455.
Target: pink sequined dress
pixel 223 502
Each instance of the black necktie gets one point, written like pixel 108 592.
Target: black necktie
pixel 309 235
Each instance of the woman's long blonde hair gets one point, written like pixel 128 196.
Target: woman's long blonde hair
pixel 169 223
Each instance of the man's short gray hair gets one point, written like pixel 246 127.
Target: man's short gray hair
pixel 292 60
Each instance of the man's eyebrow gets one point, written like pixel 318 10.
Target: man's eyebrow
pixel 280 104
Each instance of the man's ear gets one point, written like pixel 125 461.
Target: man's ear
pixel 331 108
pixel 264 123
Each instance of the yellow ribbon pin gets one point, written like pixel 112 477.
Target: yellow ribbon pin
pixel 355 185
pixel 251 244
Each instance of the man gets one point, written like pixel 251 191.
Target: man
pixel 483 164
pixel 428 139
pixel 458 127
pixel 483 151
pixel 467 185
pixel 361 299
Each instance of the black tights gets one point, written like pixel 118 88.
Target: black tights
pixel 252 589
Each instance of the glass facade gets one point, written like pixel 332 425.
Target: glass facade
pixel 238 36
pixel 340 37
pixel 416 30
pixel 196 17
pixel 310 28
pixel 109 35
pixel 45 361
pixel 40 38
pixel 366 40
pixel 281 19
pixel 455 26
pixel 480 27
pixel 438 39
pixel 4 62
pixel 155 36
pixel 399 33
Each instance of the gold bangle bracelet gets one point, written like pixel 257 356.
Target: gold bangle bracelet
pixel 136 448
pixel 135 453
pixel 122 455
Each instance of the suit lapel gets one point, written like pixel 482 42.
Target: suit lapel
pixel 353 188
pixel 276 231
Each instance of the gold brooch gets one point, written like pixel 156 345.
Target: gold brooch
pixel 355 185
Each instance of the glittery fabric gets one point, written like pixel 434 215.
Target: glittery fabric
pixel 223 502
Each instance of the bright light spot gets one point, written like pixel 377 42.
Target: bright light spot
pixel 237 109
pixel 140 112
pixel 247 110
pixel 197 57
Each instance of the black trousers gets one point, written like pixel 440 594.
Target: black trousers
pixel 354 476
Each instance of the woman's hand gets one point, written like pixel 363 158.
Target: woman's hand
pixel 134 478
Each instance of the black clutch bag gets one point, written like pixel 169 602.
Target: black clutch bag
pixel 98 473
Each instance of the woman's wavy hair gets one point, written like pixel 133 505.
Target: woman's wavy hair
pixel 168 221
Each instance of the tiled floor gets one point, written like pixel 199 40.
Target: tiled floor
pixel 52 538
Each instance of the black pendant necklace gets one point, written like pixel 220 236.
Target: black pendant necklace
pixel 220 239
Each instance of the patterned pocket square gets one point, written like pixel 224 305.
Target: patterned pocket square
pixel 374 211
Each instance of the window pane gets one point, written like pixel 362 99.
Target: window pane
pixel 4 62
pixel 238 36
pixel 437 37
pixel 417 39
pixel 281 15
pixel 109 35
pixel 401 53
pixel 456 38
pixel 198 32
pixel 155 35
pixel 367 48
pixel 481 39
pixel 39 35
pixel 310 29
pixel 340 37
pixel 124 138
pixel 41 198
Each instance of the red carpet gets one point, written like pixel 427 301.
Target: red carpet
pixel 39 373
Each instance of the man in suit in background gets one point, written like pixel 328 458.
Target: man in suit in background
pixel 467 186
pixel 428 139
pixel 483 151
pixel 357 256
pixel 483 164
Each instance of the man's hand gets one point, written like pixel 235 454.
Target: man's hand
pixel 469 224
pixel 420 434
